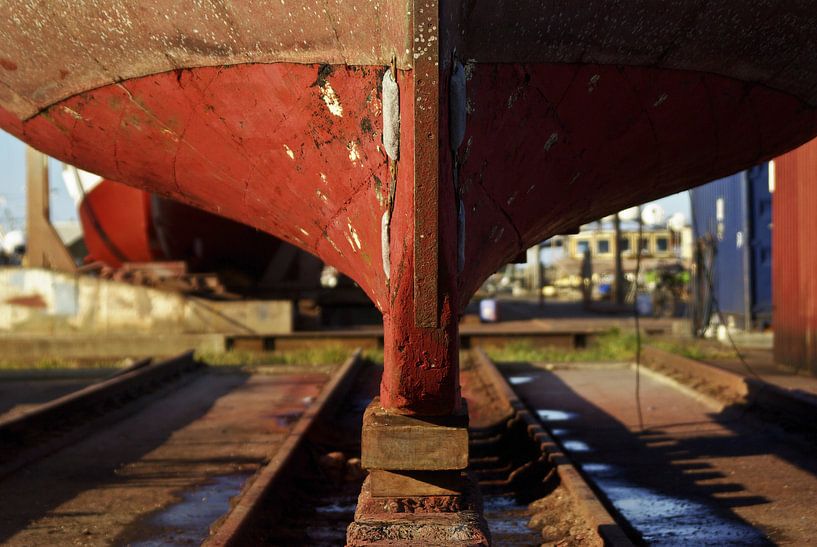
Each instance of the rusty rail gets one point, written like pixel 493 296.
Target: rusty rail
pixel 57 423
pixel 236 527
pixel 586 499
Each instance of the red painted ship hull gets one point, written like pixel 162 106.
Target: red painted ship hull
pixel 571 151
pixel 117 225
pixel 274 117
pixel 124 224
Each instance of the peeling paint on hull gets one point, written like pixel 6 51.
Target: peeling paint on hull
pixel 260 143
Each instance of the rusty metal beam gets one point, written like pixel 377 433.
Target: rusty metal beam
pixel 426 162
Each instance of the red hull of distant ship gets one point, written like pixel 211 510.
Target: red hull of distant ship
pixel 116 225
pixel 123 224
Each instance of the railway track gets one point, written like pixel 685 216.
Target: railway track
pixel 152 454
pixel 698 471
pixel 178 453
pixel 50 426
pixel 275 457
pixel 307 494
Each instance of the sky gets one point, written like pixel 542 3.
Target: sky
pixel 13 186
pixel 13 198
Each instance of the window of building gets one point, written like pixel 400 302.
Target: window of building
pixel 603 246
pixel 625 244
pixel 582 246
pixel 661 244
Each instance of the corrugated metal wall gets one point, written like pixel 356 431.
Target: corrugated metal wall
pixel 719 212
pixel 795 258
pixel 735 212
pixel 760 243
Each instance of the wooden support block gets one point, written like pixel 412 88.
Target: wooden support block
pixel 398 442
pixel 416 483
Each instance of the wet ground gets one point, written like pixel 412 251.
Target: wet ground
pixel 543 512
pixel 188 521
pixel 695 474
pixel 161 476
pixel 320 503
pixel 508 520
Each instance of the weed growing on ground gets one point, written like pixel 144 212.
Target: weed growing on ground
pixel 694 349
pixel 613 345
pixel 321 355
pixel 59 363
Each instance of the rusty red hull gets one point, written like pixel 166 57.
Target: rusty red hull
pixel 205 136
pixel 561 113
pixel 117 226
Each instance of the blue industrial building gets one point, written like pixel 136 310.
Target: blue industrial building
pixel 732 269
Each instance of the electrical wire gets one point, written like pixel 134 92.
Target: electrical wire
pixel 708 274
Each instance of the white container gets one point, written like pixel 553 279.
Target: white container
pixel 488 312
pixel 643 304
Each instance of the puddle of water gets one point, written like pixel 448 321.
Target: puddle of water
pixel 188 522
pixel 284 421
pixel 576 446
pixel 667 520
pixel 597 468
pixel 517 380
pixel 337 507
pixel 328 526
pixel 508 521
pixel 555 415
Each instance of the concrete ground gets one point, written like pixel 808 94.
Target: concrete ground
pixel 695 474
pixel 161 476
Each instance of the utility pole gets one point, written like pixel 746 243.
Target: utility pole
pixel 618 281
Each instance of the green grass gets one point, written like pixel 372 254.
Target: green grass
pixel 694 349
pixel 322 355
pixel 328 355
pixel 59 363
pixel 610 346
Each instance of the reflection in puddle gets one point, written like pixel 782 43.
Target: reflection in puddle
pixel 188 522
pixel 284 421
pixel 507 519
pixel 599 468
pixel 337 507
pixel 517 380
pixel 668 520
pixel 555 415
pixel 328 525
pixel 576 446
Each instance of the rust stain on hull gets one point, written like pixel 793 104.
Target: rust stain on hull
pixel 557 130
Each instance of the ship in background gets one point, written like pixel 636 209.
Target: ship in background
pixel 125 227
pixel 140 237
